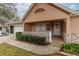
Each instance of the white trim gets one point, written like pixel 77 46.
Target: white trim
pixel 50 36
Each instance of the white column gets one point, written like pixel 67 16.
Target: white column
pixel 50 36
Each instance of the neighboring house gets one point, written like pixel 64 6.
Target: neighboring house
pixel 13 27
pixel 10 26
pixel 52 20
pixel 2 23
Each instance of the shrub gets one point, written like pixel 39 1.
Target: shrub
pixel 19 35
pixel 38 40
pixel 31 39
pixel 71 48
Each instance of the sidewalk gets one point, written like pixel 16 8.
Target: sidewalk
pixel 49 49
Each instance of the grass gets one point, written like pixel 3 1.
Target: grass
pixel 71 48
pixel 9 50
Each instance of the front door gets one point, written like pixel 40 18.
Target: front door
pixel 56 29
pixel 11 29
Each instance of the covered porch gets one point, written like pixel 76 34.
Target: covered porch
pixel 52 30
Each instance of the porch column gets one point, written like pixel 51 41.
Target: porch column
pixel 50 36
pixel 68 32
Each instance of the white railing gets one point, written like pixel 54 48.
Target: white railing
pixel 47 35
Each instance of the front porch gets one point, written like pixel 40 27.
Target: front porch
pixel 51 30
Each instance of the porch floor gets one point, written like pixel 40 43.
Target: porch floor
pixel 57 41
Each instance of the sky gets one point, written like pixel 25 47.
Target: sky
pixel 22 7
pixel 73 6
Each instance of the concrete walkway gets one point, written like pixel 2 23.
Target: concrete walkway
pixel 49 49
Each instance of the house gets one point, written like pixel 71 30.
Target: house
pixel 52 20
pixel 14 26
pixel 2 22
pixel 10 27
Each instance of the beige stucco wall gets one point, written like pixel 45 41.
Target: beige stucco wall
pixel 74 25
pixel 50 13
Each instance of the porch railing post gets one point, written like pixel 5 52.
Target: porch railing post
pixel 50 36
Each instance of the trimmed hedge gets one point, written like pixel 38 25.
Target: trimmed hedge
pixel 32 39
pixel 18 35
pixel 71 48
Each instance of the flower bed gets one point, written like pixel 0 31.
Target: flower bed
pixel 71 48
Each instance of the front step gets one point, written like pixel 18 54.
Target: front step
pixel 57 37
pixel 57 41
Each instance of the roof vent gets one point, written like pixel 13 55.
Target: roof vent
pixel 39 10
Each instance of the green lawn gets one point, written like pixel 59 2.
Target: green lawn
pixel 9 50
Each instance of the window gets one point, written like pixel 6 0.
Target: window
pixel 39 10
pixel 0 28
pixel 40 28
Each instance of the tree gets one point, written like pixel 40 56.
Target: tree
pixel 8 10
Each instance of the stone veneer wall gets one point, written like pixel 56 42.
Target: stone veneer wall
pixel 72 38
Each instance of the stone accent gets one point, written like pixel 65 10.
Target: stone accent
pixel 72 38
